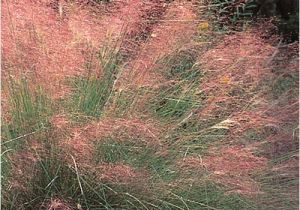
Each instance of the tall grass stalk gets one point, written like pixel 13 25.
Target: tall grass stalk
pixel 93 92
pixel 29 109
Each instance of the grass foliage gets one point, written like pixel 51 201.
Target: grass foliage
pixel 92 91
pixel 231 13
pixel 125 101
pixel 136 154
pixel 280 187
pixel 56 178
pixel 284 83
pixel 28 113
pixel 173 102
pixel 176 99
pixel 206 195
pixel 180 65
pixel 29 110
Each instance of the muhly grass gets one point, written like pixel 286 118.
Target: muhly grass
pixel 137 154
pixel 52 178
pixel 29 110
pixel 180 65
pixel 167 188
pixel 207 195
pixel 164 187
pixel 285 83
pixel 173 102
pixel 176 99
pixel 92 91
pixel 280 187
pixel 91 95
pixel 192 135
pixel 127 101
pixel 195 192
pixel 122 101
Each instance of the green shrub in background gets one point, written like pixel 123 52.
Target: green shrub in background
pixel 231 13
